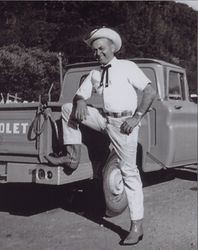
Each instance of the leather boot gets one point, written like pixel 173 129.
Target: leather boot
pixel 135 234
pixel 70 158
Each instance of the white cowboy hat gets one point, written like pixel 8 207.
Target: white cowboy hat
pixel 105 33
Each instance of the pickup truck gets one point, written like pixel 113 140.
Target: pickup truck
pixel 167 138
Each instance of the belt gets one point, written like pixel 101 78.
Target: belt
pixel 119 114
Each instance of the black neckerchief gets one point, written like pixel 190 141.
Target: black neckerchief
pixel 105 70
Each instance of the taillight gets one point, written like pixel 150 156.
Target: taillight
pixel 41 174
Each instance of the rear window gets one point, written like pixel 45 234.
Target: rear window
pixel 150 73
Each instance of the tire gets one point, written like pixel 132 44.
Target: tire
pixel 113 187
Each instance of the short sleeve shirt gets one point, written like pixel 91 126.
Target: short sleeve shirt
pixel 120 95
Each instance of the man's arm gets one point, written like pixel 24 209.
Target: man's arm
pixel 148 97
pixel 79 101
pixel 80 108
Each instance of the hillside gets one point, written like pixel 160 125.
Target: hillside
pixel 162 30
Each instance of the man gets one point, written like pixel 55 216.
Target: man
pixel 116 83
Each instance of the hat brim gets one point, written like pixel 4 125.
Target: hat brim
pixel 105 33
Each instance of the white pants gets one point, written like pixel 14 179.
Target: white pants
pixel 124 145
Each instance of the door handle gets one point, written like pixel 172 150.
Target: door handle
pixel 178 106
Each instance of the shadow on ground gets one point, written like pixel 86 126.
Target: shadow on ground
pixel 153 178
pixel 85 198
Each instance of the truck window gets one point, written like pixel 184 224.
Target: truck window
pixel 176 86
pixel 71 83
pixel 150 73
pixel 82 79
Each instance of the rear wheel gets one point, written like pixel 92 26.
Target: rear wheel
pixel 113 187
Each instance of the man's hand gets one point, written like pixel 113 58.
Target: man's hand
pixel 129 124
pixel 147 98
pixel 81 111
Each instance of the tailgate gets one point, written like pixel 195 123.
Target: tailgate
pixel 17 140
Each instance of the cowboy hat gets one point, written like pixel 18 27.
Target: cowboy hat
pixel 105 33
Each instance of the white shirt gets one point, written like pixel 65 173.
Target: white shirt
pixel 120 95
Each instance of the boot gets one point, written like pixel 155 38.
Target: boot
pixel 70 158
pixel 135 234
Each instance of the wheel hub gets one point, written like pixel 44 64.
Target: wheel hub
pixel 116 182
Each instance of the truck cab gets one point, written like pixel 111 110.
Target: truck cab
pixel 172 121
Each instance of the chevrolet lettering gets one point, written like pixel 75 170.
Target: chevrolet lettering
pixel 13 128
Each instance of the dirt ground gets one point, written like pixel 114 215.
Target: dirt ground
pixel 67 218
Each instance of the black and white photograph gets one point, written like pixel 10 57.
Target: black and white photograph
pixel 98 125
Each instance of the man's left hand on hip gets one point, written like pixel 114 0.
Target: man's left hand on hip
pixel 129 124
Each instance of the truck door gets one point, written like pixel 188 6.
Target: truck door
pixel 176 123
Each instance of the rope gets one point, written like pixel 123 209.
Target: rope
pixel 37 128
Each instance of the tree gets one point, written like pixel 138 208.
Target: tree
pixel 158 29
pixel 28 72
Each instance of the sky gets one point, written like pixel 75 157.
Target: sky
pixel 191 3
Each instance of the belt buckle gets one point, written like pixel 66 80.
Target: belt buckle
pixel 123 113
pixel 126 113
pixel 117 114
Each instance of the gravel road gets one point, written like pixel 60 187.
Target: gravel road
pixel 62 218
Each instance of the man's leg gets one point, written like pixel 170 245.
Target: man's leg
pixel 126 149
pixel 72 136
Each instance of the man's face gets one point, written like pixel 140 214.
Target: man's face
pixel 103 50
